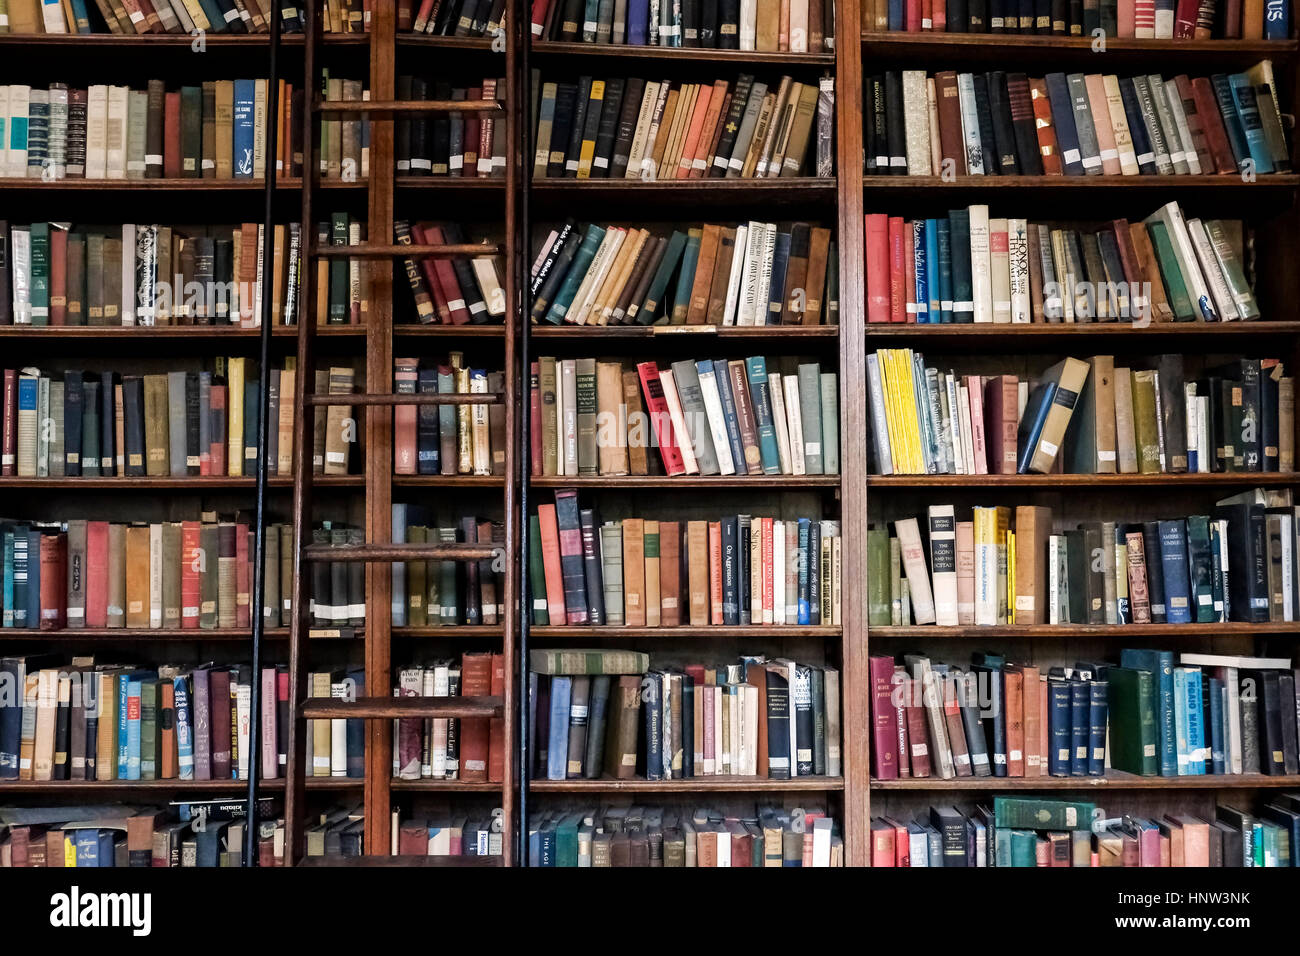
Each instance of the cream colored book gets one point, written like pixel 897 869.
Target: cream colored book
pixel 678 421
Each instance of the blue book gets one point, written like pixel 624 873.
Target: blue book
pixel 776 290
pixel 1173 566
pixel 87 844
pixel 1059 710
pixel 943 270
pixel 80 16
pixel 1067 134
pixel 1277 26
pixel 590 16
pixel 242 129
pixel 1032 421
pixel 1098 708
pixel 1182 743
pixel 638 17
pixel 1243 97
pixel 33 578
pixel 722 378
pixel 805 536
pixel 207 843
pixel 123 744
pixel 963 305
pixel 919 266
pixel 756 368
pixel 557 747
pixel 996 685
pixel 131 715
pixel 107 842
pixel 11 722
pixel 1217 710
pixel 566 840
pixel 686 277
pixel 217 17
pixel 652 698
pixel 897 15
pixel 1195 722
pixel 932 269
pixel 1161 666
pixel 1222 84
pixel 184 729
pixel 1146 157
pixel 1080 704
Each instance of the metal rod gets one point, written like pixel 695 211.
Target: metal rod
pixel 520 20
pixel 270 175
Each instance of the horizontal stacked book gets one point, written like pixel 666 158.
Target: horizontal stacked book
pixel 448 439
pixel 968 267
pixel 740 570
pixel 764 26
pixel 131 18
pixel 470 749
pixel 711 417
pixel 456 143
pixel 1035 831
pixel 661 130
pixel 451 18
pixel 451 290
pixel 1008 566
pixel 1082 416
pixel 621 836
pixel 1010 124
pixel 439 593
pixel 1124 19
pixel 607 714
pixel 97 721
pixel 755 273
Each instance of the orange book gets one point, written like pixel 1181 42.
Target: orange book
pixel 167 757
pixel 692 140
pixel 670 573
pixel 1034 758
pixel 497 725
pixel 551 562
pixel 697 571
pixel 475 681
pixel 715 572
pixel 634 575
pixel 1013 696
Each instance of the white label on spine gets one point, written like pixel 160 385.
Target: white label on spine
pixel 1178 157
pixel 965 305
pixel 485 164
pixel 230 15
pixel 539 604
pixel 1047 447
pixel 455 304
pixel 1071 156
pixel 1105 456
pixel 1146 158
pixel 76 613
pixel 1109 154
pixel 136 16
pixel 335 457
pixel 1090 162
pixel 456 162
pixel 421 164
pixel 571 164
pixel 153 159
pixel 600 162
pixel 898 161
pixel 736 163
pixel 209 164
pixel 812 448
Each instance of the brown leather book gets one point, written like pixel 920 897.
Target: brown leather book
pixel 697 571
pixel 167 754
pixel 1149 268
pixel 1001 417
pixel 721 276
pixel 819 243
pixel 1138 596
pixel 767 26
pixel 1033 526
pixel 670 573
pixel 137 576
pixel 611 435
pixel 1033 715
pixel 739 382
pixel 796 276
pixel 698 307
pixel 1048 147
pixel 475 681
pixel 634 572
pixel 1013 696
pixel 223 125
pixel 1211 120
pixel 172 136
pixel 638 438
pixel 622 725
pixel 951 145
pixel 917 729
pixel 709 151
pixel 156 462
pixel 579 706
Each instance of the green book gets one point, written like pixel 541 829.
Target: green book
pixel 611 549
pixel 878 613
pixel 810 414
pixel 1230 264
pixel 1175 287
pixel 40 283
pixel 416 587
pixel 208 576
pixel 1131 702
pixel 830 424
pixel 149 729
pixel 591 241
pixel 537 573
pixel 649 310
pixel 1200 568
pixel 686 278
pixel 339 286
pixel 588 461
pixel 450 606
pixel 1023 848
pixel 1042 813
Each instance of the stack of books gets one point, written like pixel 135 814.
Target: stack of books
pixel 447 835
pixel 448 439
pixel 451 290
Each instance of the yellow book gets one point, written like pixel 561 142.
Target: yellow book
pixel 1001 532
pixel 1011 577
pixel 913 416
pixel 986 565
pixel 588 151
pixel 891 425
pixel 235 419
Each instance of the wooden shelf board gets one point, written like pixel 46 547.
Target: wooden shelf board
pixel 195 485
pixel 449 481
pixel 387 708
pixel 1166 481
pixel 993 333
pixel 694 482
pixel 452 862
pixel 173 41
pixel 807 188
pixel 449 331
pixel 452 631
pixel 604 632
pixel 590 332
pixel 919 44
pixel 451 183
pixel 443 786
pixel 200 333
pixel 171 785
pixel 727 784
pixel 1116 631
pixel 1114 779
pixel 179 185
pixel 427 40
pixel 75 634
pixel 1268 182
pixel 548 48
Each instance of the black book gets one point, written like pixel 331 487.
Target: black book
pixel 1096 577
pixel 571 21
pixel 731 126
pixel 193 411
pixel 428 437
pixel 778 725
pixel 607 128
pixel 338 577
pixel 1091 17
pixel 455 124
pixel 133 425
pixel 469 287
pixel 322 616
pixel 690 23
pixel 957 16
pixel 781 253
pixel 688 726
pixel 998 16
pixel 744 531
pixel 1287 711
pixel 988 139
pixel 356 591
pixel 651 696
pixel 108 425
pixel 804 732
pixel 447 17
pixel 895 136
pixel 222 272
pixel 977 16
pixel 252 401
pixel 1270 371
pixel 581 107
pixel 818 689
pixel 1173 410
pixel 1212 388
pixel 566 103
pixel 730 588
pixel 572 566
pixel 1116 286
pixel 62 740
pixel 1077 562
pixel 1076 18
pixel 1271 746
pixel 402 128
pixel 473 596
pixel 1023 125
pixel 1025 21
pixel 552 257
pixel 880 125
pixel 72 403
pixel 438 133
pixel 282 723
pixel 709 23
pixel 90 430
pixel 1109 17
pixel 627 117
pixel 952 834
pixel 564 259
pixel 1003 130
pixel 1247 561
pixel 728 25
pixel 591 567
pixel 1155 570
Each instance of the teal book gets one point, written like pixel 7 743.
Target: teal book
pixel 756 367
pixel 963 299
pixel 932 268
pixel 1244 99
pixel 339 304
pixel 40 281
pixel 123 741
pixel 1175 288
pixel 1195 722
pixel 810 415
pixel 1182 737
pixel 1161 666
pixel 537 573
pixel 649 311
pixel 1200 566
pixel 686 277
pixel 1024 848
pixel 591 241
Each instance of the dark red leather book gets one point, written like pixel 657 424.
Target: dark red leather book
pixel 951 145
pixel 97 574
pixel 9 428
pixel 1216 137
pixel 1001 415
pixel 475 681
pixel 58 276
pixel 1048 148
pixel 884 720
pixel 897 271
pixel 54 577
pixel 172 136
pixel 878 274
pixel 917 732
pixel 497 725
pixel 219 725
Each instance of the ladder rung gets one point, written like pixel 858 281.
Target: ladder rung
pixel 399 552
pixel 388 252
pixel 419 398
pixel 381 708
pixel 409 106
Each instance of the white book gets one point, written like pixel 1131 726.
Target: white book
pixel 1018 260
pixel 46 430
pixel 156 577
pixel 21 253
pixel 568 417
pixel 1053 579
pixel 1203 433
pixel 749 732
pixel 943 563
pixel 599 271
pixel 19 101
pixel 734 277
pixel 115 132
pixel 58 141
pixel 779 422
pixel 1288 569
pixel 585 287
pixel 954 424
pixel 679 421
pixel 489 284
pixel 52 16
pixel 1171 216
pixel 128 274
pixel 438 747
pixel 970 127
pixel 918 577
pixel 980 263
pixel 643 120
pixel 1233 690
pixel 96 132
pixel 748 23
pixel 543 252
pixel 167 17
pixel 717 420
pixel 1224 303
pixel 967 437
pixel 137 113
pixel 1164 23
pixel 778 572
pixel 184 19
pixel 1128 164
pixel 763 288
pixel 1192 427
pixel 794 421
pixel 749 275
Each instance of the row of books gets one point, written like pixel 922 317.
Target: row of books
pixel 450 748
pixel 712 417
pixel 442 835
pixel 1038 831
pixel 738 571
pixel 148 274
pixel 1083 416
pixel 968 267
pixel 451 290
pixel 138 17
pixel 765 26
pixel 448 439
pixel 176 424
pixel 87 720
pixel 1008 124
pixel 615 717
pixel 756 273
pixel 1147 716
pixel 454 143
pixel 1125 19
pixel 441 593
pixel 466 18
pixel 658 130
pixel 625 836
pixel 1236 564
pixel 213 130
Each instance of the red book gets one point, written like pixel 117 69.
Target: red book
pixel 413 838
pixel 54 576
pixel 96 574
pixel 219 725
pixel 9 430
pixel 1127 253
pixel 475 681
pixel 897 271
pixel 535 417
pixel 1001 415
pixel 657 406
pixel 497 725
pixel 469 159
pixel 1048 147
pixel 551 562
pixel 902 845
pixel 191 593
pixel 882 843
pixel 1013 693
pixel 1216 138
pixel 913 16
pixel 927 15
pixel 172 136
pixel 878 284
pixel 884 720
pixel 243 574
pixel 456 307
pixel 217 450
pixel 538 18
pixel 406 375
pixel 58 276
pixel 715 572
pixel 939 17
pixel 979 449
pixel 420 235
pixel 1185 19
